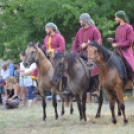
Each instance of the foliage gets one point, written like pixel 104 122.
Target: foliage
pixel 22 21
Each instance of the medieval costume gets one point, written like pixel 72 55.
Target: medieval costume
pixel 87 34
pixel 124 38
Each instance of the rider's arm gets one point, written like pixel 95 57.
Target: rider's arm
pixel 75 46
pixel 129 41
pixel 61 43
pixel 97 37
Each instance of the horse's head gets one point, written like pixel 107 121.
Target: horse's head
pixel 94 54
pixel 32 54
pixel 60 66
pixel 98 54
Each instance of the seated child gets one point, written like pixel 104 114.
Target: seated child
pixel 12 91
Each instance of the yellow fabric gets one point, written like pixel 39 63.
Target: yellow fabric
pixel 34 77
pixel 50 45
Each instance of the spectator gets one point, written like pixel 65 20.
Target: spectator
pixel 29 84
pixel 11 67
pixel 2 83
pixel 12 90
pixel 4 71
pixel 16 67
pixel 21 70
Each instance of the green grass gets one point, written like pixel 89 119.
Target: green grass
pixel 29 121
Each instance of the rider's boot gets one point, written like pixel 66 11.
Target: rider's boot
pixel 65 91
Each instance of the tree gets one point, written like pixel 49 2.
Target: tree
pixel 24 21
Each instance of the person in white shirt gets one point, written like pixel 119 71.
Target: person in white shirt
pixel 28 83
pixel 4 71
pixel 21 79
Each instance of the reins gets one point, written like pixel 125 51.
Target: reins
pixel 38 60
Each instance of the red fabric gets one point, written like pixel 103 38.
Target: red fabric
pixel 3 83
pixel 58 42
pixel 82 36
pixel 35 72
pixel 124 38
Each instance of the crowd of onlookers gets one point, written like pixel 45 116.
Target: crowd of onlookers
pixel 16 84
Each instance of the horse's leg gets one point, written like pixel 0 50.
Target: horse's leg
pixel 44 107
pixel 71 107
pixel 79 106
pixel 118 105
pixel 120 98
pixel 111 98
pixel 62 110
pixel 100 105
pixel 84 98
pixel 54 103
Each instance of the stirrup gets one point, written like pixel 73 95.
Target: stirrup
pixel 66 92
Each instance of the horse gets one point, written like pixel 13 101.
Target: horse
pixel 78 78
pixel 109 77
pixel 34 54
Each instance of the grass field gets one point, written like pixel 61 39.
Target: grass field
pixel 29 121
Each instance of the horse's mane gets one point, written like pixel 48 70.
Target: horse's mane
pixel 105 53
pixel 84 57
pixel 31 44
pixel 70 57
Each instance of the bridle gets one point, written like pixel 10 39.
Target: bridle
pixel 104 64
pixel 38 60
pixel 63 70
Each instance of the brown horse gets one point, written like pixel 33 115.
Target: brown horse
pixel 45 73
pixel 109 76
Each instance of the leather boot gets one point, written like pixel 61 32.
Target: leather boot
pixel 65 91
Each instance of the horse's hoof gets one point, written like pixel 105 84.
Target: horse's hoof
pixel 97 116
pixel 44 118
pixel 119 113
pixel 114 121
pixel 85 119
pixel 71 111
pixel 62 113
pixel 81 118
pixel 125 121
pixel 56 117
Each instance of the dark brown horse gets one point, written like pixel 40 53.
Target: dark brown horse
pixel 108 76
pixel 45 73
pixel 78 77
pixel 79 81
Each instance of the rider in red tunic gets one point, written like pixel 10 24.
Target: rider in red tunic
pixel 55 42
pixel 124 38
pixel 88 32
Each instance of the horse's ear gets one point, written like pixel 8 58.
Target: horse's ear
pixel 37 44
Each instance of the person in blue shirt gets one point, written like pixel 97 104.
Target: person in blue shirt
pixel 2 83
pixel 11 67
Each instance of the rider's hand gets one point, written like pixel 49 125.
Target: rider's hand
pixel 114 45
pixel 110 40
pixel 84 45
pixel 48 51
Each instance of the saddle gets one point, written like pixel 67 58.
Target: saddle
pixel 122 65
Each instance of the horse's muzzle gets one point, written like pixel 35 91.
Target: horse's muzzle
pixel 90 66
pixel 55 80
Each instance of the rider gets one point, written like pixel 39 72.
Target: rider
pixel 54 42
pixel 88 32
pixel 124 38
